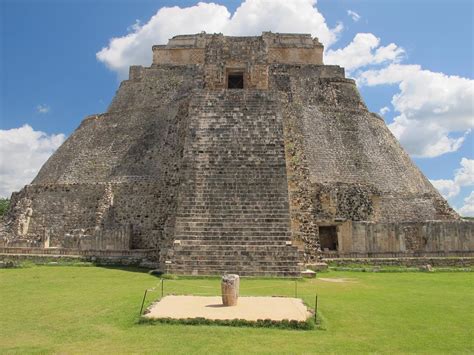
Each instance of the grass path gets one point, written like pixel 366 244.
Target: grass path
pixel 70 309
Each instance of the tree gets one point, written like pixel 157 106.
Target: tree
pixel 4 204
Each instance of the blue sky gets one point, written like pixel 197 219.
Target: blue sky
pixel 419 51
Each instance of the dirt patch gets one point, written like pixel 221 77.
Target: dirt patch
pixel 340 280
pixel 248 308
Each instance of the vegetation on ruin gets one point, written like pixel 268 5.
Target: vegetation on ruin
pixel 4 204
pixel 88 309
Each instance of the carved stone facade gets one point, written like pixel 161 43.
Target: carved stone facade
pixel 240 155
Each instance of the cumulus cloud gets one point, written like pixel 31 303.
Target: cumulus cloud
pixel 467 210
pixel 364 50
pixel 22 153
pixel 251 18
pixel 135 27
pixel 463 177
pixel 384 110
pixel 436 111
pixel 447 188
pixel 43 108
pixel 354 15
pixel 255 16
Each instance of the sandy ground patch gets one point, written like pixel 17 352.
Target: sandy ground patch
pixel 340 280
pixel 248 308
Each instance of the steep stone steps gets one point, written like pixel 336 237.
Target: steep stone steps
pixel 225 226
pixel 244 217
pixel 233 213
pixel 223 243
pixel 231 232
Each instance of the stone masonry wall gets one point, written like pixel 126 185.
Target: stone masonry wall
pixel 343 163
pixel 406 261
pixel 353 150
pixel 220 55
pixel 432 236
pixel 134 150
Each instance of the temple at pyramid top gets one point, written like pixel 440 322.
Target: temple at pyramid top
pixel 239 62
pixel 284 48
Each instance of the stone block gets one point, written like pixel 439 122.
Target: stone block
pixel 310 274
pixel 230 285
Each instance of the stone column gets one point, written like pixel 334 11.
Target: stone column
pixel 230 289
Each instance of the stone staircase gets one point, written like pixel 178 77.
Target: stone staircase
pixel 233 213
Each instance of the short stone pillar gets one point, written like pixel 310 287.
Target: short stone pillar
pixel 230 289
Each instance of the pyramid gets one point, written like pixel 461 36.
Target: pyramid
pixel 234 154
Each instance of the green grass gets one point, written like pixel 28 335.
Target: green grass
pixel 72 309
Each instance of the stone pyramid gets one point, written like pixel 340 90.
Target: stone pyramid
pixel 234 154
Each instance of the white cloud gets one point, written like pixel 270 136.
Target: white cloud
pixel 135 27
pixel 447 188
pixel 463 177
pixel 468 209
pixel 43 108
pixel 22 153
pixel 436 111
pixel 251 18
pixel 364 50
pixel 384 110
pixel 301 16
pixel 354 15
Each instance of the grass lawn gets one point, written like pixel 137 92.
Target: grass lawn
pixel 73 309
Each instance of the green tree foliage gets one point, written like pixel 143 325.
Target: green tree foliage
pixel 4 204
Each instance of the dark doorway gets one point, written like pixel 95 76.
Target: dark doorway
pixel 328 237
pixel 235 81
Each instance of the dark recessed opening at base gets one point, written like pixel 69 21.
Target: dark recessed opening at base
pixel 235 81
pixel 328 237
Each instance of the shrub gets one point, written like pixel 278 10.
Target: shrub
pixel 265 323
pixel 4 204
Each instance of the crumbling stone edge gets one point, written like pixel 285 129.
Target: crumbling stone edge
pixel 19 259
pixel 403 261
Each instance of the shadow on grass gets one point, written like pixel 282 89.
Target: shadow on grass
pixel 138 269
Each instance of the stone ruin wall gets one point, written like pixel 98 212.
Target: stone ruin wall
pixel 113 184
pixel 419 238
pixel 345 166
pixel 220 55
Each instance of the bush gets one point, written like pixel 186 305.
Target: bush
pixel 265 323
pixel 4 204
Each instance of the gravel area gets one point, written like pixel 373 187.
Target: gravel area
pixel 248 308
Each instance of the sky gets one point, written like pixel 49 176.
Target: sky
pixel 62 60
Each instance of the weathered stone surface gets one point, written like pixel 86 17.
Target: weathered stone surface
pixel 404 260
pixel 8 264
pixel 427 268
pixel 256 181
pixel 317 266
pixel 309 274
pixel 230 285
